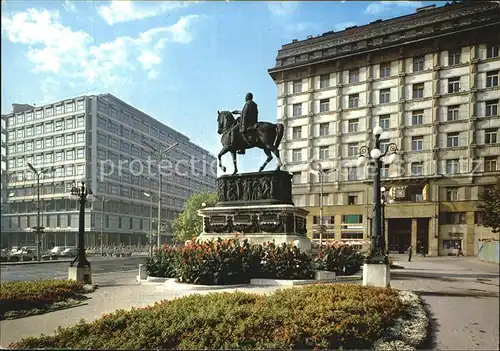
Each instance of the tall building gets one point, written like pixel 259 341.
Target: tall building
pixel 431 81
pixel 3 170
pixel 99 138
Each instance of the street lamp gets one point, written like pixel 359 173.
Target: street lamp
pixel 377 253
pixel 161 154
pixel 318 169
pixel 383 201
pixel 103 199
pixel 38 229
pixel 150 196
pixel 82 271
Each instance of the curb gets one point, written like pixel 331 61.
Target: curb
pixel 34 262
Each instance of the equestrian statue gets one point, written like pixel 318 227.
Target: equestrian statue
pixel 245 132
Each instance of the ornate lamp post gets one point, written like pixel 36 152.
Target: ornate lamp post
pixel 80 269
pixel 150 196
pixel 383 201
pixel 377 253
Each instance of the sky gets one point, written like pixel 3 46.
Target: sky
pixel 179 62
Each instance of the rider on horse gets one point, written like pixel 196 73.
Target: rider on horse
pixel 247 120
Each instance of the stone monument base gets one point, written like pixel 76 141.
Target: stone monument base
pixel 259 224
pixel 83 275
pixel 377 275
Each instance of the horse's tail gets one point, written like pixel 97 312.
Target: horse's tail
pixel 279 134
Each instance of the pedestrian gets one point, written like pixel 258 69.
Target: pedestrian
pixel 422 250
pixel 409 252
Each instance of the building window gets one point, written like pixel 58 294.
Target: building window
pixel 384 144
pixel 385 70
pixel 384 171
pixel 29 146
pixel 59 110
pixel 324 105
pixel 296 133
pixel 324 153
pixel 353 126
pixel 490 136
pixel 49 143
pixel 38 144
pixel 324 81
pixel 453 85
pixel 39 129
pixel 70 123
pixel 490 164
pixel 452 166
pixel 70 155
pixel 417 117
pixel 80 137
pixel 384 122
pixel 297 177
pixel 59 156
pixel 80 105
pixel 354 76
pixel 418 91
pixel 324 129
pixel 297 86
pixel 59 125
pixel 492 51
pixel 353 100
pixel 38 114
pixel 297 110
pixel 418 63
pixel 454 58
pixel 70 107
pixel 80 153
pixel 417 169
pixel 491 108
pixel 491 79
pixel 352 199
pixel 452 113
pixel 49 112
pixel 452 194
pixel 452 139
pixel 453 218
pixel 296 155
pixel 352 173
pixel 417 143
pixel 70 139
pixel 352 149
pixel 385 96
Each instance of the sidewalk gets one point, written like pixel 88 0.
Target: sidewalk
pixel 461 293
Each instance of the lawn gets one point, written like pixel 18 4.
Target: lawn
pixel 326 316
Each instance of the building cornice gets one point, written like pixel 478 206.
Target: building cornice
pixel 332 46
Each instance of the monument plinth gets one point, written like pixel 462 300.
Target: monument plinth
pixel 257 206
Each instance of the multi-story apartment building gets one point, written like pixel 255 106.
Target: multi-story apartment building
pixel 431 81
pixel 3 169
pixel 99 138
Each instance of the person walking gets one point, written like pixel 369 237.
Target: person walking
pixel 409 251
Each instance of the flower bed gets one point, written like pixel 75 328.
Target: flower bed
pixel 323 316
pixel 223 262
pixel 25 298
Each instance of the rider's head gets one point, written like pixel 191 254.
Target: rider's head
pixel 249 97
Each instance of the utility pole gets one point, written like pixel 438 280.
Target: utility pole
pixel 38 228
pixel 150 195
pixel 160 156
pixel 101 238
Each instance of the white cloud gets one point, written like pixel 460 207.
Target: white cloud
pixel 282 8
pixel 56 49
pixel 69 6
pixel 343 25
pixel 383 6
pixel 119 11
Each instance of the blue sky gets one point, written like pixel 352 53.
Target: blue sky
pixel 180 62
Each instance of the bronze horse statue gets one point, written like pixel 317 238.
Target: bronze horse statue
pixel 264 135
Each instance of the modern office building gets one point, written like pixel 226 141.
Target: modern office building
pixel 3 170
pixel 100 138
pixel 431 81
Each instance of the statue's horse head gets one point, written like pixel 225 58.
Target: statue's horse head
pixel 225 120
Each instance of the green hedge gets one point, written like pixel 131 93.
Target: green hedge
pixel 38 294
pixel 323 316
pixel 339 258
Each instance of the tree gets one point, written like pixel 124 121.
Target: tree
pixel 189 224
pixel 489 207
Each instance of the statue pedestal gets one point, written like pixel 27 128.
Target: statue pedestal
pixel 377 275
pixel 79 274
pixel 258 207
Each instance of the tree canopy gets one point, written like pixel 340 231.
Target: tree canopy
pixel 189 224
pixel 489 207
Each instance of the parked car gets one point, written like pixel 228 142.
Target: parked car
pixel 4 255
pixel 69 252
pixel 23 254
pixel 57 250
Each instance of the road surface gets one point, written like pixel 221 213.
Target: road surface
pixel 59 270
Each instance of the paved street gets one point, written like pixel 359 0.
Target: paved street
pixel 60 270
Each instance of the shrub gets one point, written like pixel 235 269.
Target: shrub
pixel 16 295
pixel 162 263
pixel 339 258
pixel 326 316
pixel 285 261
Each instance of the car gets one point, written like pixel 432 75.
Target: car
pixel 57 250
pixel 70 252
pixel 23 254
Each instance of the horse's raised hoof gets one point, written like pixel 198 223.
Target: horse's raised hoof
pixel 234 172
pixel 261 169
pixel 223 169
